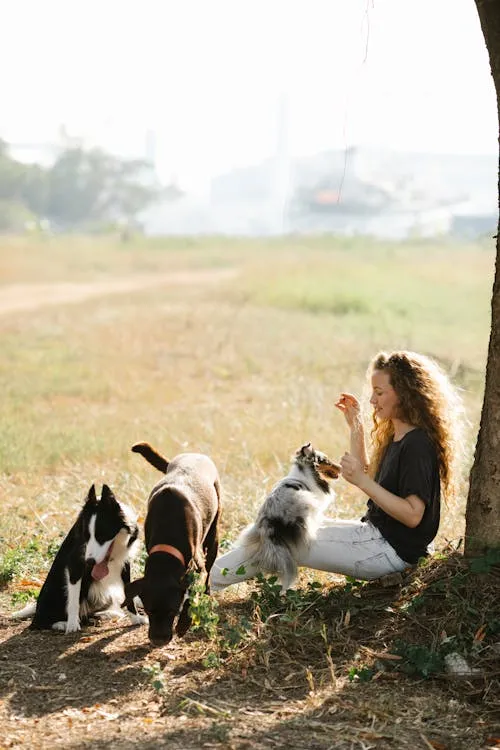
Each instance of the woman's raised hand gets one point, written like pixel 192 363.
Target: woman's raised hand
pixel 350 408
pixel 352 471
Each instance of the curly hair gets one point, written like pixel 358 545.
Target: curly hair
pixel 428 400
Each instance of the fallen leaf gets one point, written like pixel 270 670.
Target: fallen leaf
pixel 479 636
pixel 27 583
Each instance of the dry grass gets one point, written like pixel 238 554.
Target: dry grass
pixel 222 370
pixel 245 369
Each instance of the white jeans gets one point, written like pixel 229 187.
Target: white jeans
pixel 351 548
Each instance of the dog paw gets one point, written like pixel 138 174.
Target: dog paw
pixel 66 627
pixel 72 626
pixel 138 619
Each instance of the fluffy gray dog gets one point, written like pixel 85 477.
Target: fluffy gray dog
pixel 290 515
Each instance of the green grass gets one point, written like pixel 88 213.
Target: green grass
pixel 26 561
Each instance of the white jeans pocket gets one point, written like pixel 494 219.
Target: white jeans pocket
pixel 374 567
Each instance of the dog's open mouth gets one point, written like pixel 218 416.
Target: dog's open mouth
pixel 101 570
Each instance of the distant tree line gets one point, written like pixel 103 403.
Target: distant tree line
pixel 83 189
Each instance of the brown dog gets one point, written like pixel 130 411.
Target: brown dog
pixel 181 534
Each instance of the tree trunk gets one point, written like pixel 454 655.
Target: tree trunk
pixel 483 502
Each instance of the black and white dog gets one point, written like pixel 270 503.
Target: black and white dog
pixel 91 568
pixel 290 515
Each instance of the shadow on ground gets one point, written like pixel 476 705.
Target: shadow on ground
pixel 316 672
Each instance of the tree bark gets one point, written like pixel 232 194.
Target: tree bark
pixel 483 502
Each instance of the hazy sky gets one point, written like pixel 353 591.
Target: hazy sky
pixel 207 75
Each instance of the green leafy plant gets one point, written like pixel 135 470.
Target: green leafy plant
pixel 212 660
pixel 418 659
pixel 205 618
pixel 415 603
pixel 156 676
pixel 269 601
pixel 234 634
pixel 22 597
pixel 202 608
pixel 360 674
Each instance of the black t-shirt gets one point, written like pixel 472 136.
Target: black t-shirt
pixel 409 467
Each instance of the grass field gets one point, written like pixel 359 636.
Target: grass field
pixel 246 369
pixel 241 359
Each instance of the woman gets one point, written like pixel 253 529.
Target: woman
pixel 415 437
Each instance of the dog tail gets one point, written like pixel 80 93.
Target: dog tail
pixel 269 554
pixel 152 456
pixel 23 614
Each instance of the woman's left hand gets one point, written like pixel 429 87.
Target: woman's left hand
pixel 352 471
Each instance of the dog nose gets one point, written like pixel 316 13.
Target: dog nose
pixel 160 636
pixel 90 562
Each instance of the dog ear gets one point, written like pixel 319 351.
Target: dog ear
pixel 107 495
pixel 133 589
pixel 91 496
pixel 306 450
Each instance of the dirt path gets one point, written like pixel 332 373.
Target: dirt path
pixel 21 297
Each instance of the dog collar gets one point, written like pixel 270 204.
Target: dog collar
pixel 170 550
